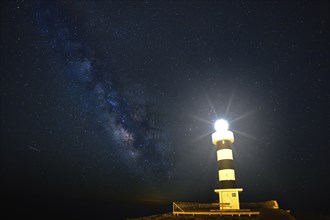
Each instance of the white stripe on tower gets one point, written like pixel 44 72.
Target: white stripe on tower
pixel 225 154
pixel 226 174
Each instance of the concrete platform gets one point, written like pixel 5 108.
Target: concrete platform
pixel 208 209
pixel 218 213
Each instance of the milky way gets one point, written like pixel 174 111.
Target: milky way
pixel 116 99
pixel 123 112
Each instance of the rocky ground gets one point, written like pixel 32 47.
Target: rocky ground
pixel 266 209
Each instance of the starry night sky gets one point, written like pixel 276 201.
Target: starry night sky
pixel 117 100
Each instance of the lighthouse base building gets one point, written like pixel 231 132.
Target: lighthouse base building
pixel 228 193
pixel 229 198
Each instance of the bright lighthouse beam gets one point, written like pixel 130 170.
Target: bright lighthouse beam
pixel 221 125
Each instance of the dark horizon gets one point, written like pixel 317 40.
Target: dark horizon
pixel 109 102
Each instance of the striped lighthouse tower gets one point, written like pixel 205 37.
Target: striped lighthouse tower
pixel 222 138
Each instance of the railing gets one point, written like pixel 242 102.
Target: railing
pixel 193 206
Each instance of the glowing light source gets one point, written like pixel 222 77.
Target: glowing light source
pixel 221 125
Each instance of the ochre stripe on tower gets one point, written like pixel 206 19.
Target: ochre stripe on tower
pixel 223 144
pixel 225 164
pixel 227 184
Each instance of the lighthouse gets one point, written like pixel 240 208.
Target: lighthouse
pixel 223 139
